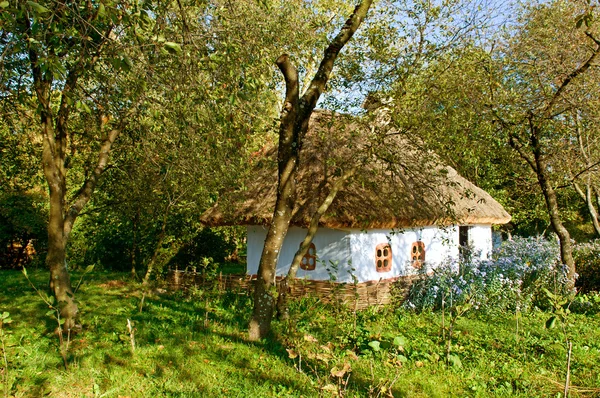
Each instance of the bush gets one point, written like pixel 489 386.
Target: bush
pixel 23 234
pixel 586 303
pixel 210 243
pixel 513 279
pixel 587 261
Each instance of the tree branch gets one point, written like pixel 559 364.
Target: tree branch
pixel 85 193
pixel 516 145
pixel 292 90
pixel 317 85
pixel 580 70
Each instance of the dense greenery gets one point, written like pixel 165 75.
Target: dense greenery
pixel 513 280
pixel 208 95
pixel 121 122
pixel 196 344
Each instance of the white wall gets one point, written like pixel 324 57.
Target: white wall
pixel 440 243
pixel 480 237
pixel 353 251
pixel 331 245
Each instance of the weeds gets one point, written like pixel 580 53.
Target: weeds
pixel 4 320
pixel 375 353
pixel 63 344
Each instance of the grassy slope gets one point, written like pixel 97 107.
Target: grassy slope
pixel 184 351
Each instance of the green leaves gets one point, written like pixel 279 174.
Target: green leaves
pixel 4 4
pixel 400 341
pixel 375 345
pixel 454 360
pixel 551 322
pixel 5 318
pixel 401 358
pixel 586 19
pixel 37 8
pixel 81 105
pixel 172 47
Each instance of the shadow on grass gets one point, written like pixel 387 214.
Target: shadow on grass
pixel 196 343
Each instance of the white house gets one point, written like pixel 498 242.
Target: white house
pixel 401 212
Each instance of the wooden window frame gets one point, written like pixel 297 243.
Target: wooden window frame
pixel 309 257
pixel 383 261
pixel 417 254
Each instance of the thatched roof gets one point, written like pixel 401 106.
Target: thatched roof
pixel 397 183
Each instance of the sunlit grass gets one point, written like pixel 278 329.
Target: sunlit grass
pixel 195 345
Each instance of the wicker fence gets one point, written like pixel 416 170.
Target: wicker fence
pixel 358 296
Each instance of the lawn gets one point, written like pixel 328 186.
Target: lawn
pixel 195 345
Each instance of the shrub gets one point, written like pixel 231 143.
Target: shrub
pixel 586 303
pixel 587 260
pixel 513 279
pixel 23 218
pixel 210 243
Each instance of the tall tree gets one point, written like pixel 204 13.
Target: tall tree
pixel 215 104
pixel 294 120
pixel 545 73
pixel 73 63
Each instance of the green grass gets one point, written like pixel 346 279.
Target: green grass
pixel 196 345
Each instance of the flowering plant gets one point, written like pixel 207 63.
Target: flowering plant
pixel 513 280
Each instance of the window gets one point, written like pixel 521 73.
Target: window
pixel 464 246
pixel 417 254
pixel 463 236
pixel 309 261
pixel 383 257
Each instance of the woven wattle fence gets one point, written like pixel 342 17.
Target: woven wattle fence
pixel 358 296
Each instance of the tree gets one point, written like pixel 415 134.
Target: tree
pixel 73 64
pixel 580 158
pixel 295 115
pixel 214 104
pixel 544 74
pixel 403 36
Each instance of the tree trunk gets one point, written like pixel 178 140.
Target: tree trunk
pixel 295 116
pixel 60 281
pixel 288 282
pixel 541 170
pixel 161 239
pixel 55 101
pixel 587 197
pixel 287 156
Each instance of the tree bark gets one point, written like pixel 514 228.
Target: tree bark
pixel 295 116
pixel 54 132
pixel 161 239
pixel 53 160
pixel 288 282
pixel 587 198
pixel 287 157
pixel 541 171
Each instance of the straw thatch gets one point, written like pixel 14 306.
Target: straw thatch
pixel 397 183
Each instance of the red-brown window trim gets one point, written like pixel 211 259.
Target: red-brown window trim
pixel 309 261
pixel 417 254
pixel 383 257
